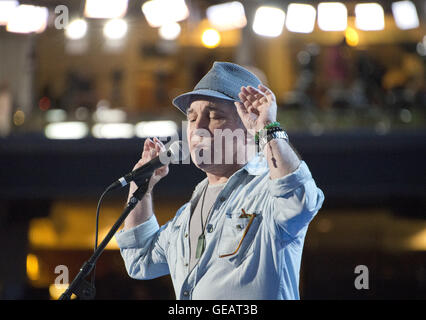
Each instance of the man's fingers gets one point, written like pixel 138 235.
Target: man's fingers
pixel 162 171
pixel 255 96
pixel 251 98
pixel 145 145
pixel 253 91
pixel 159 144
pixel 150 149
pixel 266 91
pixel 262 94
pixel 148 145
pixel 263 88
pixel 245 91
pixel 240 107
pixel 157 147
pixel 242 97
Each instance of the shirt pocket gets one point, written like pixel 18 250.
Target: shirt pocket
pixel 237 236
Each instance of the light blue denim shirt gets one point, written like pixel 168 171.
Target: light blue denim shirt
pixel 267 262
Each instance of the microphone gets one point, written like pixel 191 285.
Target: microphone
pixel 174 154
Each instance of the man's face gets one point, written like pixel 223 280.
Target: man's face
pixel 211 126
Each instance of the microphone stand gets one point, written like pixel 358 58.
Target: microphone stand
pixel 81 287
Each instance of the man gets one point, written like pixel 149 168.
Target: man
pixel 241 234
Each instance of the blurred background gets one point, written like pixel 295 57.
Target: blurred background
pixel 84 82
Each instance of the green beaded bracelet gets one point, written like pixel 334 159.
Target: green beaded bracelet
pixel 268 126
pixel 272 124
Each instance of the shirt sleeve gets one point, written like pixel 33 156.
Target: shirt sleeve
pixel 143 248
pixel 139 235
pixel 296 200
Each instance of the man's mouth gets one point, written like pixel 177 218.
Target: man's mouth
pixel 200 149
pixel 201 145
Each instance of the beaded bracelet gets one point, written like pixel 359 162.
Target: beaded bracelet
pixel 272 124
pixel 276 126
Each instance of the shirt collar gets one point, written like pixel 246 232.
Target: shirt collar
pixel 255 167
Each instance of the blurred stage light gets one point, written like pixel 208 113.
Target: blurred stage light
pixel 33 267
pixel 6 9
pixel 169 31
pixel 19 118
pixel 82 113
pixel 161 128
pixel 332 16
pixel 105 9
pixel 56 115
pixel 115 29
pixel 27 19
pixel 227 16
pixel 405 15
pixel 369 16
pixel 161 12
pixel 351 37
pixel 113 130
pixel 44 103
pixel 106 115
pixel 66 130
pixel 76 29
pixel 57 289
pixel 405 115
pixel 304 57
pixel 418 241
pixel 210 38
pixel 300 18
pixel 268 21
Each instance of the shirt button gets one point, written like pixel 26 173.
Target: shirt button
pixel 209 228
pixel 186 235
pixel 186 264
pixel 222 199
pixel 186 293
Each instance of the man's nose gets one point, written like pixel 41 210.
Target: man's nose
pixel 199 130
pixel 201 123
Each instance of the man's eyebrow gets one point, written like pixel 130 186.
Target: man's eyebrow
pixel 212 107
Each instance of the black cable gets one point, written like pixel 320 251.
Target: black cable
pixel 97 230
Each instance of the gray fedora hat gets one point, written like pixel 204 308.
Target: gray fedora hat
pixel 224 81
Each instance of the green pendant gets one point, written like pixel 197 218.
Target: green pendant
pixel 201 244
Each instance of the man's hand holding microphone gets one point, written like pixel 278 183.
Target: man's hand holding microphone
pixel 143 210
